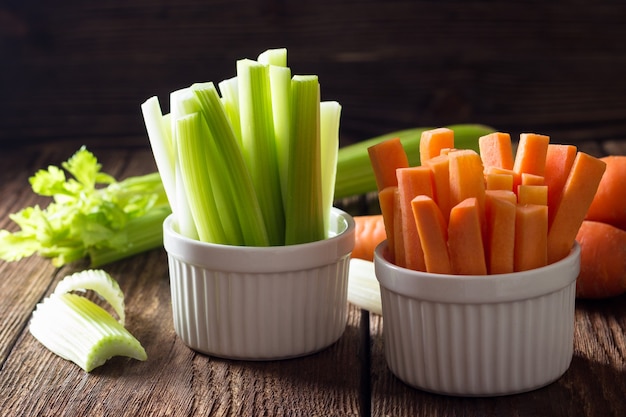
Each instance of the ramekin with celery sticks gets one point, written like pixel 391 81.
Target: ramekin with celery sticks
pixel 254 166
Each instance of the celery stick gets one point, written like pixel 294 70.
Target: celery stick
pixel 304 215
pixel 182 210
pixel 161 142
pixel 230 98
pixel 330 113
pixel 193 136
pixel 276 57
pixel 280 84
pixel 226 157
pixel 258 138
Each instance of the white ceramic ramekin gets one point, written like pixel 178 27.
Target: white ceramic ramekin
pixel 260 303
pixel 478 335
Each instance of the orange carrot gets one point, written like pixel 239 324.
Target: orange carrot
pixel 385 157
pixel 368 233
pixel 440 167
pixel 399 253
pixel 412 182
pixel 578 192
pixel 559 161
pixel 531 154
pixel 498 181
pixel 433 141
pixel 387 201
pixel 496 150
pixel 500 208
pixel 466 177
pixel 532 194
pixel 609 203
pixel 602 260
pixel 531 232
pixel 532 179
pixel 506 195
pixel 432 233
pixel 465 241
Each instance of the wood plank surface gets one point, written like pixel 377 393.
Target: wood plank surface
pixel 174 380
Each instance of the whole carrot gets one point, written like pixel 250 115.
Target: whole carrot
pixel 602 260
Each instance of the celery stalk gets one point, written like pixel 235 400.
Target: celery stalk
pixel 276 57
pixel 161 142
pixel 304 221
pixel 330 113
pixel 181 208
pixel 230 98
pixel 258 139
pixel 193 136
pixel 225 157
pixel 280 84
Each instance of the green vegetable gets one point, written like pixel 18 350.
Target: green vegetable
pixel 354 170
pixel 91 214
pixel 77 329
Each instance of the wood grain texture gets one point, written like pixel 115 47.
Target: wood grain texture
pixel 74 69
pixel 174 380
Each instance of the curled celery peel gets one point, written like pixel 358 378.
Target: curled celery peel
pixel 76 329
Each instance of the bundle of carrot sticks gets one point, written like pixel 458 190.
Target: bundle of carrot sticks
pixel 494 211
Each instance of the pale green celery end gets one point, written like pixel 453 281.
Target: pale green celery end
pixel 193 136
pixel 280 84
pixel 304 214
pixel 230 98
pixel 231 169
pixel 277 57
pixel 330 114
pixel 161 143
pixel 258 139
pixel 181 208
pixel 144 233
pixel 79 330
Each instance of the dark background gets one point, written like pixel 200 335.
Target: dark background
pixel 79 70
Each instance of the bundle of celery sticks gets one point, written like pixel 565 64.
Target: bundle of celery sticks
pixel 254 166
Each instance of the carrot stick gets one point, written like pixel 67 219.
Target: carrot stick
pixel 499 181
pixel 532 194
pixel 369 231
pixel 530 157
pixel 532 179
pixel 432 233
pixel 578 192
pixel 440 167
pixel 433 141
pixel 412 182
pixel 385 158
pixel 496 150
pixel 500 207
pixel 559 161
pixel 466 177
pixel 531 154
pixel 387 200
pixel 465 241
pixel 398 232
pixel 531 231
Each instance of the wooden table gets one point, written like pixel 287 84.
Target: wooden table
pixel 348 379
